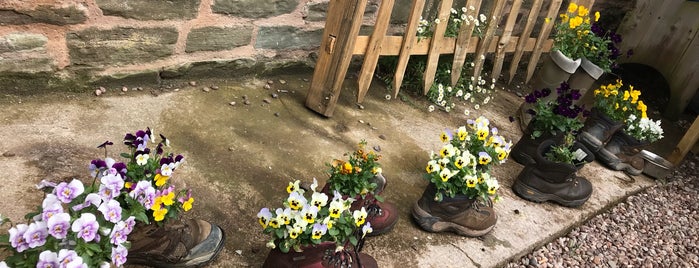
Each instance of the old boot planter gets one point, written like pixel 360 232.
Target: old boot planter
pixel 191 243
pixel 598 130
pixel 458 196
pixel 383 216
pixel 524 150
pixel 318 256
pixel 552 181
pixel 583 79
pixel 459 214
pixel 556 69
pixel 622 152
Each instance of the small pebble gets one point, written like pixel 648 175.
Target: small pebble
pixel 103 89
pixel 206 89
pixel 269 82
pixel 266 101
pixel 239 252
pixel 98 92
pixel 382 137
pixel 377 148
pixel 282 91
pixel 214 87
pixel 193 83
pixel 176 89
pixel 245 97
pixel 276 114
pixel 231 149
pixel 267 86
pixel 124 89
pixel 246 102
pixel 283 82
pixel 305 80
pixel 360 106
pixel 8 154
pixel 361 121
pixel 232 103
pixel 275 95
pixel 139 88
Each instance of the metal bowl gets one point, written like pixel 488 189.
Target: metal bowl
pixel 656 166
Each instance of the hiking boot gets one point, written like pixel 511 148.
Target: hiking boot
pixel 524 150
pixel 623 152
pixel 318 256
pixel 191 243
pixel 598 130
pixel 460 214
pixel 552 181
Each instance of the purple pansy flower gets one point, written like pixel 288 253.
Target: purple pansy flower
pixel 17 237
pixel 111 210
pixel 111 186
pixel 58 225
pixel 36 234
pixel 50 206
pixel 67 191
pixel 119 233
pixel 91 199
pixel 119 254
pixel 47 259
pixel 86 227
pixel 69 258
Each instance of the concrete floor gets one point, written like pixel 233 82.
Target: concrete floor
pixel 239 158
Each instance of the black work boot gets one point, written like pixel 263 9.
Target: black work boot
pixel 552 181
pixel 598 130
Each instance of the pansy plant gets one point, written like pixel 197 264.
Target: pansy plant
pixel 87 225
pixel 310 219
pixel 462 165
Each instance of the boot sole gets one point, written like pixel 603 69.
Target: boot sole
pixel 434 224
pixel 614 163
pixel 534 195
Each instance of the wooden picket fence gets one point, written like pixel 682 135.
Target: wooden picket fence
pixel 341 41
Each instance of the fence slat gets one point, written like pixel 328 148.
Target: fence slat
pixel 437 37
pixel 531 20
pixel 407 44
pixel 543 35
pixel 335 53
pixel 505 38
pixel 463 41
pixel 371 56
pixel 485 43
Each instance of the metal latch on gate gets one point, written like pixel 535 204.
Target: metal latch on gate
pixel 330 46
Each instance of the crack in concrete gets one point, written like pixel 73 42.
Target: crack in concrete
pixel 467 256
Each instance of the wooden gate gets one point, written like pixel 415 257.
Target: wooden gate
pixel 341 41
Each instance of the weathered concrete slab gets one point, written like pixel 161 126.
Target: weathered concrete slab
pixel 240 158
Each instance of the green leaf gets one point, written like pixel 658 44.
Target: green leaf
pixel 353 240
pixel 125 155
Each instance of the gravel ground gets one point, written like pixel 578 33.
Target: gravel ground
pixel 658 227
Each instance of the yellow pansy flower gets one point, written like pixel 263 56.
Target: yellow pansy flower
pixel 572 8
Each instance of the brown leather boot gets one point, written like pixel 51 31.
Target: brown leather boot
pixel 191 243
pixel 460 214
pixel 318 256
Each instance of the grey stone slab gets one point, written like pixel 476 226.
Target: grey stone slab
pixel 21 41
pixel 254 8
pixel 218 38
pixel 287 37
pixel 44 14
pixel 96 47
pixel 150 9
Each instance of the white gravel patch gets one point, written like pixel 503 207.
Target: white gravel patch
pixel 658 227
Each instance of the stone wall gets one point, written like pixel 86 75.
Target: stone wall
pixel 60 43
